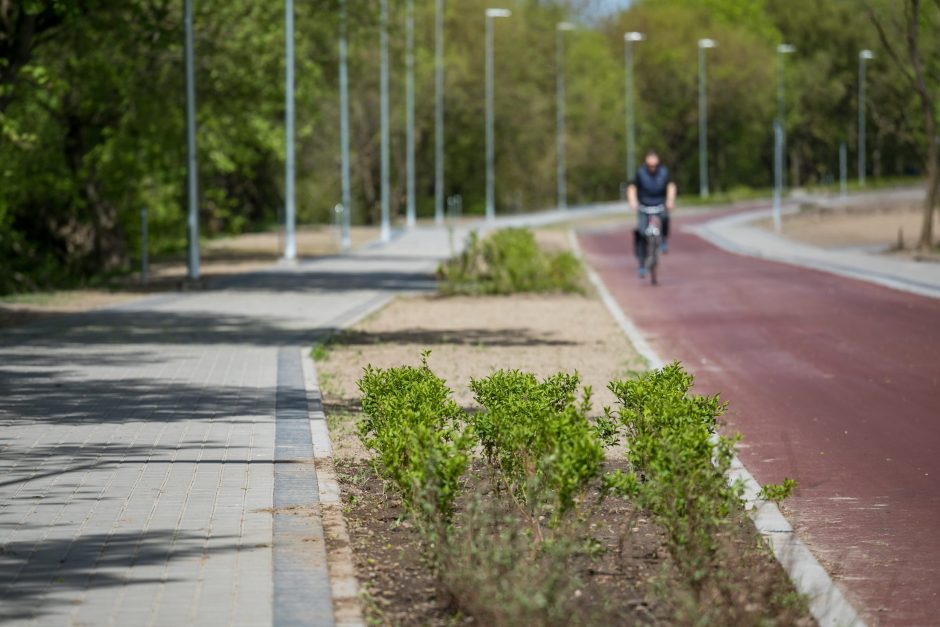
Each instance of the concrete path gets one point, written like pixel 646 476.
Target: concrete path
pixel 736 233
pixel 154 457
pixel 831 380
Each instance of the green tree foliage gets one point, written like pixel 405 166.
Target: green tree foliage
pixel 91 109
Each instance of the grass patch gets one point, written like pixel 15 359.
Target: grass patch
pixel 509 261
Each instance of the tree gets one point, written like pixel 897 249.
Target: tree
pixel 917 25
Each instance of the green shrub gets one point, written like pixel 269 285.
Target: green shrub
pixel 509 261
pixel 679 466
pixel 414 428
pixel 538 436
pixel 498 573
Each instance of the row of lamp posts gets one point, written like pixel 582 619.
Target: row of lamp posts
pixel 630 38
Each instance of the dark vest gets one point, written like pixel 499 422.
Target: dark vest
pixel 651 188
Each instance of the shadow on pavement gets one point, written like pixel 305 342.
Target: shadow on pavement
pixel 88 562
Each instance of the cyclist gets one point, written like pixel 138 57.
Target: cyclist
pixel 651 187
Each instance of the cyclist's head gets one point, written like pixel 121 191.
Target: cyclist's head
pixel 652 160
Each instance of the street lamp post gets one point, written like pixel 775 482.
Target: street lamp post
pixel 782 51
pixel 628 40
pixel 410 213
pixel 490 152
pixel 192 164
pixel 439 113
pixel 386 228
pixel 345 236
pixel 560 30
pixel 290 242
pixel 780 135
pixel 863 56
pixel 778 174
pixel 703 45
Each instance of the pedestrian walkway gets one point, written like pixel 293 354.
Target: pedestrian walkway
pixel 152 455
pixel 737 233
pixel 155 457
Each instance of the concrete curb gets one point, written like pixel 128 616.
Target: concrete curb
pixel 344 586
pixel 827 603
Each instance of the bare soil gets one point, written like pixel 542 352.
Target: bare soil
pixel 474 336
pixel 890 228
pixel 471 337
pixel 220 257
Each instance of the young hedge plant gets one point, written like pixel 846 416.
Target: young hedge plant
pixel 414 428
pixel 507 262
pixel 679 465
pixel 538 436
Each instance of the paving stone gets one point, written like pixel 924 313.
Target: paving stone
pixel 137 446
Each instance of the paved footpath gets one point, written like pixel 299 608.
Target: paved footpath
pixel 156 465
pixel 831 380
pixel 155 458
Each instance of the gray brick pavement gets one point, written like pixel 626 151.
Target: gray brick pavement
pixel 138 448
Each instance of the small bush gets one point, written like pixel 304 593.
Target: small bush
pixel 680 466
pixel 507 262
pixel 413 427
pixel 496 572
pixel 538 436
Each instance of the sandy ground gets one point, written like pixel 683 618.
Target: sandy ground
pixel 220 257
pixel 472 337
pixel 864 226
pixel 311 242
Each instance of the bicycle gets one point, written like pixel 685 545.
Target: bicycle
pixel 653 237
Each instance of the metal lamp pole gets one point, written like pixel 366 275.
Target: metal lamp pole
pixel 386 229
pixel 439 113
pixel 628 40
pixel 782 51
pixel 490 152
pixel 780 134
pixel 703 45
pixel 863 56
pixel 192 164
pixel 345 236
pixel 290 242
pixel 410 212
pixel 560 30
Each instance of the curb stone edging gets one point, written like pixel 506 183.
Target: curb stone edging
pixel 827 603
pixel 344 586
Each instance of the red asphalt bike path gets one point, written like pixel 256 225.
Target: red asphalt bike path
pixel 832 381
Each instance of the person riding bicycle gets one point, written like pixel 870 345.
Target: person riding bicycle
pixel 651 187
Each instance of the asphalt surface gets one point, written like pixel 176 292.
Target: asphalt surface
pixel 832 381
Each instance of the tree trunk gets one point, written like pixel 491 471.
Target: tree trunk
pixel 109 244
pixel 925 242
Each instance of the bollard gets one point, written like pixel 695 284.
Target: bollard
pixel 843 170
pixel 338 223
pixel 144 248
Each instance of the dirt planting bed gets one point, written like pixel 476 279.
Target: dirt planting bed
pixel 618 571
